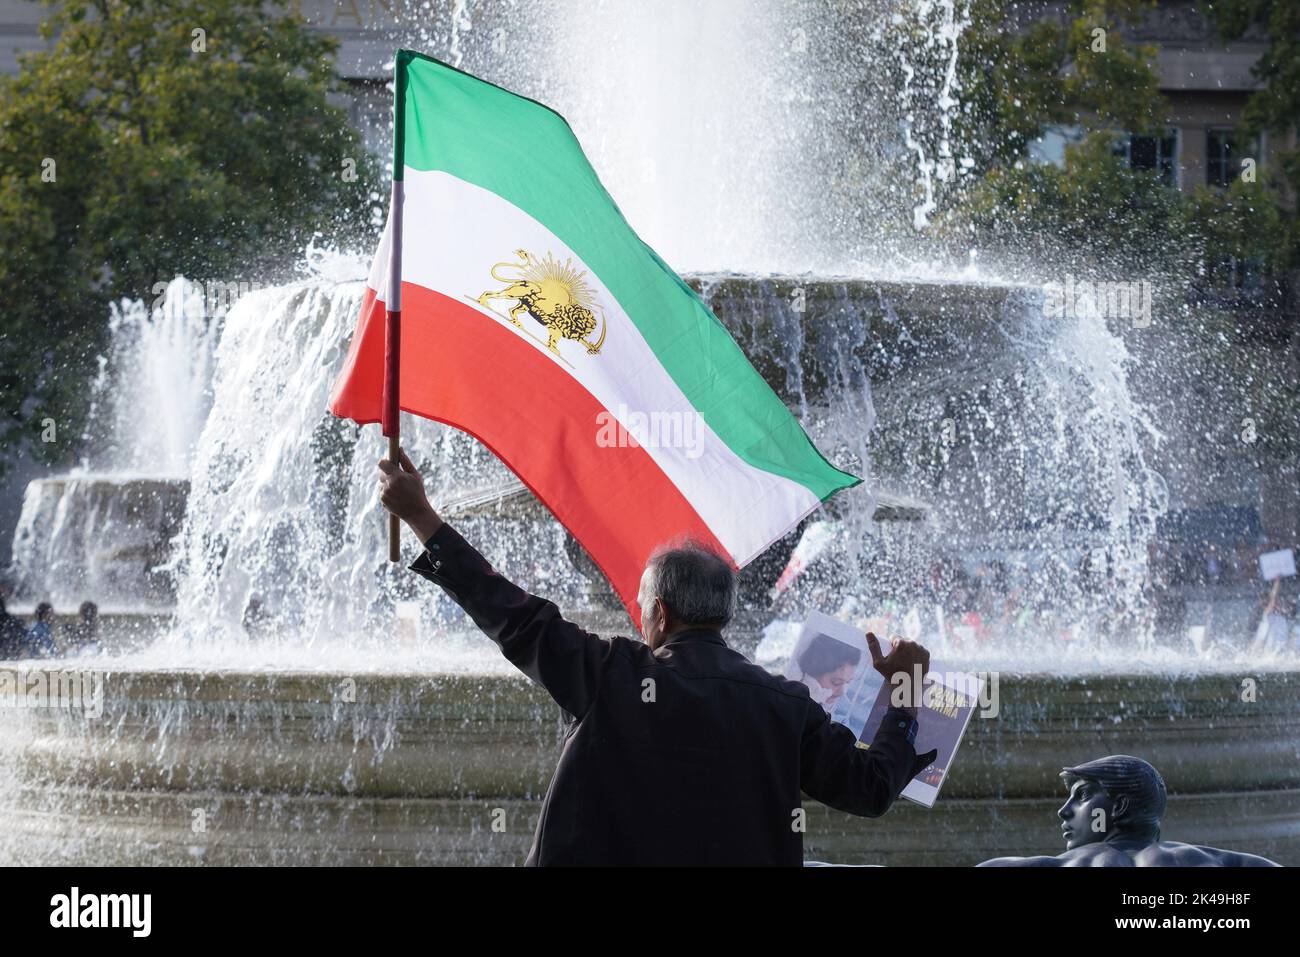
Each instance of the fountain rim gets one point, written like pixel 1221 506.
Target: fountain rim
pixel 900 280
pixel 112 668
pixel 992 283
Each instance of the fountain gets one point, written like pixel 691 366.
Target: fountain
pixel 305 702
pixel 105 529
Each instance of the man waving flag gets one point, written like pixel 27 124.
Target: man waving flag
pixel 535 319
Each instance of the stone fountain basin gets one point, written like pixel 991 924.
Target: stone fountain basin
pixel 103 538
pixel 327 768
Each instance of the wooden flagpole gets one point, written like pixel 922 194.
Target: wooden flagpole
pixel 392 409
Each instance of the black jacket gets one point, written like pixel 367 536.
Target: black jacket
pixel 689 754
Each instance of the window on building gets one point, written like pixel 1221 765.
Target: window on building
pixel 1224 152
pixel 1159 153
pixel 1220 157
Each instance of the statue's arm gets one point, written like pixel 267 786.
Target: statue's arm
pixel 1089 855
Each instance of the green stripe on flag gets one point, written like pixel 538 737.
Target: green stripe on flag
pixel 526 153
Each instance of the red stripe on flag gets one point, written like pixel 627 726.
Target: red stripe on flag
pixel 471 372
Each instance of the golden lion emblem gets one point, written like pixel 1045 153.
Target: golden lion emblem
pixel 555 294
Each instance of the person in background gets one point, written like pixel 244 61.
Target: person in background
pixel 12 633
pixel 256 618
pixel 1213 567
pixel 1274 634
pixel 82 636
pixel 40 638
pixel 1012 615
pixel 966 627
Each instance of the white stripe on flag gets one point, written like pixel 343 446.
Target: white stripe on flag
pixel 454 232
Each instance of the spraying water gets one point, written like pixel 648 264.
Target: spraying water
pixel 104 530
pixel 1018 436
pixel 783 135
pixel 150 398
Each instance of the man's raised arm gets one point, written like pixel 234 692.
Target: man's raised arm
pixel 561 657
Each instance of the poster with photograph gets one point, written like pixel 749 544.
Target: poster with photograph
pixel 832 660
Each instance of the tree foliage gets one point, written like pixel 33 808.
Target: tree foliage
pixel 1076 72
pixel 1275 107
pixel 1020 78
pixel 155 137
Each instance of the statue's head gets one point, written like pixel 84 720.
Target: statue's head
pixel 1115 795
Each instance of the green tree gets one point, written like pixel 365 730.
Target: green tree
pixel 155 137
pixel 1018 79
pixel 1076 71
pixel 1094 213
pixel 1275 107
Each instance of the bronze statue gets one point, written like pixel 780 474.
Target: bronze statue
pixel 1112 819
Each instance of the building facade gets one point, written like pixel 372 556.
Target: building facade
pixel 1206 82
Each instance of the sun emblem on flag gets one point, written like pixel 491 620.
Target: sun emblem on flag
pixel 555 294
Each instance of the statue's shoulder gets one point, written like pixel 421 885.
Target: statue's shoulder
pixel 1097 855
pixel 1090 855
pixel 1041 861
pixel 1176 854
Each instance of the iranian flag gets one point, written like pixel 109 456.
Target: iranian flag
pixel 534 318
